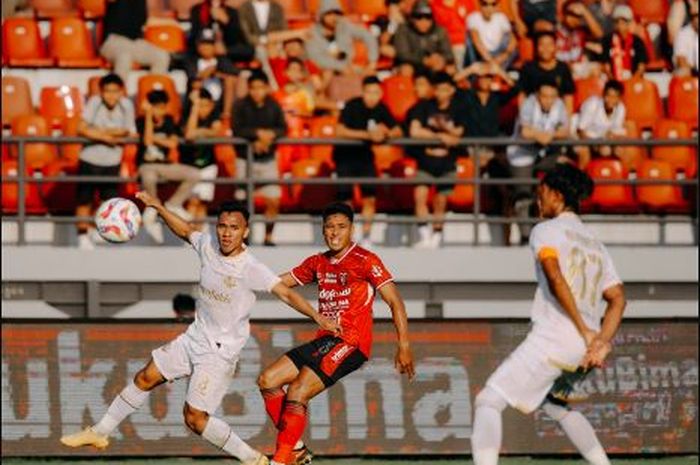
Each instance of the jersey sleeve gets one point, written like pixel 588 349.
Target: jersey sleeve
pixel 610 276
pixel 260 277
pixel 544 242
pixel 197 241
pixel 305 273
pixel 377 274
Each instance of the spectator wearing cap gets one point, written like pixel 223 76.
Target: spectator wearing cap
pixel 223 20
pixel 575 34
pixel 490 36
pixel 685 47
pixel 260 119
pixel 624 53
pixel 215 73
pixel 421 42
pixel 545 66
pixel 602 118
pixel 527 12
pixel 366 119
pixel 124 44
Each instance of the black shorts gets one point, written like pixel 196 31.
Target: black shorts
pixel 86 190
pixel 355 169
pixel 329 357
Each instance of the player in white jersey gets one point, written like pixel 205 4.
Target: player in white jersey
pixel 574 275
pixel 208 351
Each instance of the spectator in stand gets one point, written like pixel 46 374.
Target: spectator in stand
pixel 452 16
pixel 124 45
pixel 679 16
pixel 685 47
pixel 106 120
pixel 543 119
pixel 423 88
pixel 624 54
pixel 260 119
pixel 293 49
pixel 602 10
pixel 367 119
pixel 331 45
pixel 159 137
pixel 602 118
pixel 15 8
pixel 216 74
pixel 202 122
pixel 421 42
pixel 184 307
pixel 527 12
pixel 490 36
pixel 575 34
pixel 441 119
pixel 229 39
pixel 545 66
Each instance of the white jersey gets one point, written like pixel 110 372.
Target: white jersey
pixel 226 297
pixel 585 264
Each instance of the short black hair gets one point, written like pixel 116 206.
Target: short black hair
pixel 369 80
pixel 110 78
pixel 205 94
pixel 157 96
pixel 547 81
pixel 422 74
pixel 231 206
pixel 335 208
pixel 258 75
pixel 442 77
pixel 183 302
pixel 572 183
pixel 614 84
pixel 539 35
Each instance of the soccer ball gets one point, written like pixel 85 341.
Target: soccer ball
pixel 118 220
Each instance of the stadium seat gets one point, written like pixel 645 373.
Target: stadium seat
pixel 129 169
pixel 92 9
pixel 385 156
pixel 323 126
pixel 403 194
pixel 399 95
pixel 462 198
pixel 586 88
pixel 679 157
pixel 631 156
pixel 22 44
pixel 53 8
pixel 294 8
pixel 369 9
pixel 150 82
pixel 660 198
pixel 70 152
pixel 169 37
pixel 34 204
pixel 610 198
pixel 526 50
pixel 16 98
pixel 642 102
pixel 59 103
pixel 650 11
pixel 683 99
pixel 37 154
pixel 313 198
pixel 71 44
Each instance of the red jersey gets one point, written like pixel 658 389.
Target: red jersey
pixel 346 288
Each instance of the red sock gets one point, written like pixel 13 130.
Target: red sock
pixel 274 399
pixel 291 426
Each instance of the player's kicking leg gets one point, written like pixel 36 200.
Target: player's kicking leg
pixel 127 402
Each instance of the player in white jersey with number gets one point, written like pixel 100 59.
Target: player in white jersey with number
pixel 574 275
pixel 208 351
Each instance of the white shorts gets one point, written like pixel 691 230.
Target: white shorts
pixel 527 375
pixel 210 374
pixel 205 190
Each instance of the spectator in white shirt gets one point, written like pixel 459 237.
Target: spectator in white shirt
pixel 602 118
pixel 685 47
pixel 490 37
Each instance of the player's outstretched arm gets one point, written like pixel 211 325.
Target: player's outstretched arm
pixel 601 346
pixel 404 356
pixel 288 280
pixel 301 305
pixel 177 225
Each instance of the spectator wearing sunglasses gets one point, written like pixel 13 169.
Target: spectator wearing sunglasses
pixel 490 37
pixel 421 43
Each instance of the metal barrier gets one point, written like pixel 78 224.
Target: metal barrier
pixel 477 181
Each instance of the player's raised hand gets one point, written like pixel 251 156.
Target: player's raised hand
pixel 328 324
pixel 404 362
pixel 597 352
pixel 148 199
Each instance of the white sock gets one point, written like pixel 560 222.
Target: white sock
pixel 487 428
pixel 127 402
pixel 222 436
pixel 580 432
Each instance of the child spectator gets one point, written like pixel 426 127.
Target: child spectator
pixel 159 136
pixel 490 36
pixel 202 122
pixel 223 20
pixel 602 118
pixel 107 118
pixel 260 119
pixel 624 54
pixel 367 119
pixel 421 43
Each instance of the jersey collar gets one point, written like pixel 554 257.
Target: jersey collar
pixel 335 261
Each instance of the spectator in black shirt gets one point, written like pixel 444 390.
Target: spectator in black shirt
pixel 228 34
pixel 124 45
pixel 159 136
pixel 202 122
pixel 260 119
pixel 547 67
pixel 443 119
pixel 367 119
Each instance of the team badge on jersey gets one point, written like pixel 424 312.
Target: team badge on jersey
pixel 343 279
pixel 229 281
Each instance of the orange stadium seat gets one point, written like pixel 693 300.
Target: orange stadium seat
pixel 642 102
pixel 128 169
pixel 610 197
pixel 59 103
pixel 150 82
pixel 71 44
pixel 403 195
pixel 16 98
pixel 33 203
pixel 91 9
pixel 322 126
pixel 182 8
pixel 312 198
pixel 660 198
pixel 37 154
pixel 294 8
pixel 651 11
pixel 632 156
pixel 169 37
pixel 683 99
pixel 53 8
pixel 385 156
pixel 70 152
pixel 462 198
pixel 22 44
pixel 399 95
pixel 526 50
pixel 369 9
pixel 679 157
pixel 586 88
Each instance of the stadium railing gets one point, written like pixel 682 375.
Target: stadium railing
pixel 476 219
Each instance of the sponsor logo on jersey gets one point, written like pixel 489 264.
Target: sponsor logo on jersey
pixel 229 281
pixel 343 279
pixel 377 271
pixel 331 294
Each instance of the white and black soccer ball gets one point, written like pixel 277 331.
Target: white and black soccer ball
pixel 118 220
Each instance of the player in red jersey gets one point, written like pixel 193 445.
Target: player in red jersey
pixel 348 277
